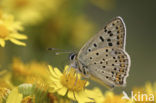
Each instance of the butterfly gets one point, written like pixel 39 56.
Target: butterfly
pixel 103 58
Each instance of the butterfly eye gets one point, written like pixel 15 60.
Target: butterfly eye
pixel 72 56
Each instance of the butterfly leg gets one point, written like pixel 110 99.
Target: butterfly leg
pixel 68 70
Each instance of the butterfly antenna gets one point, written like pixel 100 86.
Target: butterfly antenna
pixel 59 51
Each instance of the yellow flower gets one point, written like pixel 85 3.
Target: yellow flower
pixel 110 97
pixel 31 11
pixel 9 30
pixel 66 84
pixel 3 94
pixel 34 72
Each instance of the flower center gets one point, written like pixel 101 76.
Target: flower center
pixel 3 31
pixel 72 82
pixel 21 3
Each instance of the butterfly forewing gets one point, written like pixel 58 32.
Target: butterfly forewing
pixel 112 35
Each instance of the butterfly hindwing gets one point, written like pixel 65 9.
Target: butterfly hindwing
pixel 108 65
pixel 112 35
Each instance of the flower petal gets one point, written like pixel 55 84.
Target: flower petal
pixel 71 95
pixel 82 97
pixel 18 36
pixel 62 91
pixel 53 72
pixel 17 42
pixel 57 71
pixel 2 42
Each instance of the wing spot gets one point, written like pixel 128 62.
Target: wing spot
pixel 103 59
pixel 118 37
pixel 116 52
pixel 111 34
pixel 95 45
pixel 106 55
pixel 115 69
pixel 106 50
pixel 112 64
pixel 118 32
pixel 101 62
pixel 91 58
pixel 101 38
pixel 121 82
pixel 113 24
pixel 89 50
pixel 94 62
pixel 116 61
pixel 97 53
pixel 117 28
pixel 108 40
pixel 118 43
pixel 103 66
pixel 107 77
pixel 114 58
pixel 110 44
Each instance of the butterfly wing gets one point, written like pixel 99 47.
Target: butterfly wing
pixel 113 35
pixel 110 66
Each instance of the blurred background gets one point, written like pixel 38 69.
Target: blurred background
pixel 68 24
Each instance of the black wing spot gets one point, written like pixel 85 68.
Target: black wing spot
pixel 110 44
pixel 117 28
pixel 118 43
pixel 116 61
pixel 116 52
pixel 118 32
pixel 101 62
pixel 111 34
pixel 108 40
pixel 106 55
pixel 97 53
pixel 94 62
pixel 115 69
pixel 106 62
pixel 95 45
pixel 107 77
pixel 105 30
pixel 101 38
pixel 103 66
pixel 112 72
pixel 89 50
pixel 103 59
pixel 121 82
pixel 106 50
pixel 112 64
pixel 91 58
pixel 114 58
pixel 118 37
pixel 113 24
